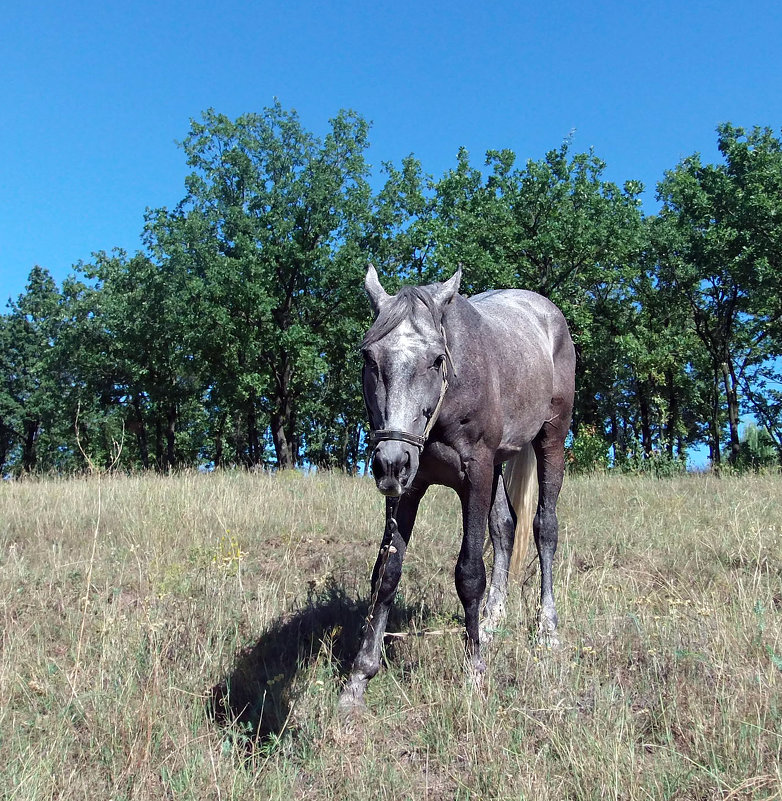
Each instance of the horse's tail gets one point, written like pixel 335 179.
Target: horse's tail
pixel 521 483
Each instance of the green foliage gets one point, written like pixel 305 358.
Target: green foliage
pixel 231 338
pixel 719 246
pixel 267 237
pixel 587 452
pixel 32 377
pixel 757 449
pixel 557 227
pixel 660 465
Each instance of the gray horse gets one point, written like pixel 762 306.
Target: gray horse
pixel 455 388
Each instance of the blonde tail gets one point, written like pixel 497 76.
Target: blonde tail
pixel 521 482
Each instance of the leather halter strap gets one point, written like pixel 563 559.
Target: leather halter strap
pixel 382 434
pixel 419 440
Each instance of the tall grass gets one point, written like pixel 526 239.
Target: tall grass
pixel 185 638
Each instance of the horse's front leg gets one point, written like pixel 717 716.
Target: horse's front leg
pixel 385 579
pixel 470 570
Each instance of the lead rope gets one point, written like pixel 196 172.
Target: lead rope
pixel 448 359
pixel 435 414
pixel 392 527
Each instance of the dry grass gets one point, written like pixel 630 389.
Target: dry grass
pixel 197 651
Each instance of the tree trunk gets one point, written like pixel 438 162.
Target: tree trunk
pixel 253 439
pixel 6 437
pixel 646 424
pixel 672 422
pixel 29 456
pixel 344 456
pixel 218 457
pixel 159 453
pixel 355 441
pixel 108 449
pixel 171 420
pixel 282 445
pixel 714 425
pixel 616 437
pixel 141 434
pixel 282 419
pixel 731 395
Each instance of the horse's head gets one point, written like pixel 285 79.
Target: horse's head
pixel 404 379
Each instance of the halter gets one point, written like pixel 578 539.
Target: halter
pixel 419 440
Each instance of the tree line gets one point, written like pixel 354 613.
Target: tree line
pixel 230 338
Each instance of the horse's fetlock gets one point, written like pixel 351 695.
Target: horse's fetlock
pixel 365 667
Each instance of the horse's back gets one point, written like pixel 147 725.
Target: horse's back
pixel 527 314
pixel 495 300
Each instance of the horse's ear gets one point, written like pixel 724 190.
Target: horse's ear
pixel 446 291
pixel 377 295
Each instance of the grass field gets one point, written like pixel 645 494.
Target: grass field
pixel 186 637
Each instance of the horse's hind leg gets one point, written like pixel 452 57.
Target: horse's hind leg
pixel 385 580
pixel 502 526
pixel 550 453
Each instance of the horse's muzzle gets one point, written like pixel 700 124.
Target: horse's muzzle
pixel 394 465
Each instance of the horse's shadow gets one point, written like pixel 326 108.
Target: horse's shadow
pixel 258 693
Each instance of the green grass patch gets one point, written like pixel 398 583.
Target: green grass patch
pixel 186 637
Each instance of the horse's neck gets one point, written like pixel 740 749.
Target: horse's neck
pixel 461 323
pixel 460 312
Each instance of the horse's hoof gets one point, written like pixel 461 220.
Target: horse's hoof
pixel 476 667
pixel 477 678
pixel 351 700
pixel 548 640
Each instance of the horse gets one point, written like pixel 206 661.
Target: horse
pixel 455 387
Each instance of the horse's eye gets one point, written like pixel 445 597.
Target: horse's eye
pixel 438 362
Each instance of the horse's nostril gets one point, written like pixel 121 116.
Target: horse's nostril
pixel 394 466
pixel 379 465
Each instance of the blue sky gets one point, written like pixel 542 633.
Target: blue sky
pixel 94 95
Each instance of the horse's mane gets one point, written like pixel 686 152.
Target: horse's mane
pixel 399 308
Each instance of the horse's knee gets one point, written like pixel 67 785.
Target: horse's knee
pixel 388 575
pixel 470 578
pixel 501 527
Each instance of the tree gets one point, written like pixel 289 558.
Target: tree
pixel 554 226
pixel 144 321
pixel 269 230
pixel 720 246
pixel 31 388
pixel 654 352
